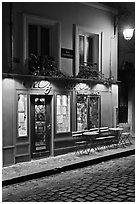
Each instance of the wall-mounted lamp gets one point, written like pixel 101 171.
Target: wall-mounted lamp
pixel 124 20
pixel 128 33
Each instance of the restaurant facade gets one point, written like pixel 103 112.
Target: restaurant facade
pixel 59 75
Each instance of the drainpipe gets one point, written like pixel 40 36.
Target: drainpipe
pixel 110 61
pixel 101 49
pixel 11 36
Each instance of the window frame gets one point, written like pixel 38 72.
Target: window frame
pixel 88 96
pixel 78 30
pixel 39 39
pixel 19 92
pixel 42 21
pixel 85 47
pixel 70 113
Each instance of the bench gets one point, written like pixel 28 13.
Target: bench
pixel 103 139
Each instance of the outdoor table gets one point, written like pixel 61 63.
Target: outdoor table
pixel 89 137
pixel 123 136
pixel 117 132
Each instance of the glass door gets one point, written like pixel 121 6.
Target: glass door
pixel 41 125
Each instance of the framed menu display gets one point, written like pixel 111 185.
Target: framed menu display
pixel 63 113
pixel 22 115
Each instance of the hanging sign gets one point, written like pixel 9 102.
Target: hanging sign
pixel 67 53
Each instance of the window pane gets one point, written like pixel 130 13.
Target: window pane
pixel 93 112
pixel 44 41
pixel 93 49
pixel 82 113
pixel 90 50
pixel 33 37
pixel 87 112
pixel 63 113
pixel 22 115
pixel 81 48
pixel 40 124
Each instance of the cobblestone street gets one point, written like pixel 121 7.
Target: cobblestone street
pixel 112 181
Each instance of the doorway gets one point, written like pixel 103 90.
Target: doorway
pixel 40 125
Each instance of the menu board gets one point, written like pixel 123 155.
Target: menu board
pixel 22 115
pixel 63 113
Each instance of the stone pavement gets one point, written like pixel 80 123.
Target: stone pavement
pixel 110 181
pixel 52 165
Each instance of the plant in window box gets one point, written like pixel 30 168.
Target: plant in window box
pixel 44 66
pixel 88 71
pixel 33 64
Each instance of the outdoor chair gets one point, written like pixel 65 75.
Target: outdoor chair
pixel 80 143
pixel 125 134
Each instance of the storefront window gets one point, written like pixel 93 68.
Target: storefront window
pixel 22 115
pixel 81 112
pixel 87 112
pixel 93 112
pixel 63 113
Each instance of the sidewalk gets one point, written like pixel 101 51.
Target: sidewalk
pixel 53 165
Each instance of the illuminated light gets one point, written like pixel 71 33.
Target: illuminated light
pixel 128 33
pixel 82 88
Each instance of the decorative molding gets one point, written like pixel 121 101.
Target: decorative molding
pixel 84 89
pixel 46 85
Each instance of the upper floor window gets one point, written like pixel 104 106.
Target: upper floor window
pixel 41 37
pixel 89 49
pixel 39 40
